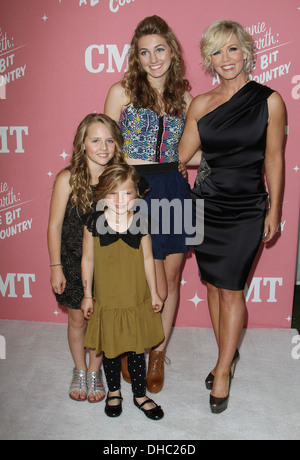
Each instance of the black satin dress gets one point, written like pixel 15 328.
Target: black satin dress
pixel 233 140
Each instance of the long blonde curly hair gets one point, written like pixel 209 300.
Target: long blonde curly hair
pixel 135 82
pixel 82 193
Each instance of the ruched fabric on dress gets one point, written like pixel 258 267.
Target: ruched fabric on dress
pixel 233 140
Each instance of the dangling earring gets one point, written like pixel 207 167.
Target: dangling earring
pixel 212 70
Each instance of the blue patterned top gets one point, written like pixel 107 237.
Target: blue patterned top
pixel 149 136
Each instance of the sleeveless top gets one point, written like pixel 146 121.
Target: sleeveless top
pixel 149 136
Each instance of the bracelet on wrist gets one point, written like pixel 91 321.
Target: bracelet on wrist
pixel 54 265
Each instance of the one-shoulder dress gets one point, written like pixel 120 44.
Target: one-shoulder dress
pixel 123 319
pixel 233 140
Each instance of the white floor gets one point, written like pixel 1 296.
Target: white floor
pixel 264 399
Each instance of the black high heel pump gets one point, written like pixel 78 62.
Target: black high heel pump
pixel 209 381
pixel 218 405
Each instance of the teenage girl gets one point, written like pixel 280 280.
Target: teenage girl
pixel 124 316
pixel 150 104
pixel 97 143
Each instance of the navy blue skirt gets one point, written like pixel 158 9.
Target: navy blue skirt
pixel 168 208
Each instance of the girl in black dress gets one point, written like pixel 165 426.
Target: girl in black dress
pixel 98 142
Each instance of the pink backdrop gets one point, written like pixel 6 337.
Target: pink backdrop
pixel 58 59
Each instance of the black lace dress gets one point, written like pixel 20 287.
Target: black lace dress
pixel 71 251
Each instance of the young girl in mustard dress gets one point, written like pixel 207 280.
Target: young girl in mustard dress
pixel 124 316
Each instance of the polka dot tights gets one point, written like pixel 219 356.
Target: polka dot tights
pixel 136 369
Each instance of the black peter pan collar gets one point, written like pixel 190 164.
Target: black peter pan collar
pixel 138 228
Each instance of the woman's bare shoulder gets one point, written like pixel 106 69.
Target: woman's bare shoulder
pixel 201 105
pixel 116 101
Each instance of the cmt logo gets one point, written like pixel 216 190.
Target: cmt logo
pixel 9 285
pixel 94 55
pixel 14 131
pixel 259 285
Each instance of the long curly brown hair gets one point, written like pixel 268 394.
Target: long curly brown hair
pixel 82 193
pixel 135 82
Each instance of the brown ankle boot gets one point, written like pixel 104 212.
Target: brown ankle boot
pixel 124 368
pixel 155 377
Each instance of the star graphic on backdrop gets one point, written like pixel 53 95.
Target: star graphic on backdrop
pixel 296 168
pixel 64 155
pixel 49 173
pixel 44 18
pixel 196 300
pixel 55 313
pixel 183 282
pixel 289 319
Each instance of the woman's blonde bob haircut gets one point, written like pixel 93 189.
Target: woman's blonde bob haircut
pixel 218 34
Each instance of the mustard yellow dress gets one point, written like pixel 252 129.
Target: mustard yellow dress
pixel 123 319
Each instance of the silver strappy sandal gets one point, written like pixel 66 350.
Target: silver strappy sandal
pixel 95 385
pixel 78 384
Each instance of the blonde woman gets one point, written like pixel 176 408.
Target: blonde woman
pixel 97 143
pixel 239 126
